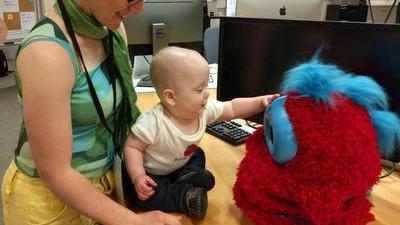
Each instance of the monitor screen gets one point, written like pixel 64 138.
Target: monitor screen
pixel 254 54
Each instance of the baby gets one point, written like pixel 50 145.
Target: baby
pixel 165 165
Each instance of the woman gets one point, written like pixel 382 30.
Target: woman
pixel 74 83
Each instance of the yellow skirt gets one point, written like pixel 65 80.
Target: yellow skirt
pixel 27 201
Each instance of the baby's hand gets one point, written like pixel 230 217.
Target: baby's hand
pixel 144 187
pixel 267 99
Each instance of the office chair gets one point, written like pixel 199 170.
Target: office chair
pixel 211 39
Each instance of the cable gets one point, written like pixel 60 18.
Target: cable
pixel 390 172
pixel 211 80
pixel 144 76
pixel 254 125
pixel 370 11
pixel 148 61
pixel 390 10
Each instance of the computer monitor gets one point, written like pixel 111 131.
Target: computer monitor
pixel 254 54
pixel 183 25
pixel 282 9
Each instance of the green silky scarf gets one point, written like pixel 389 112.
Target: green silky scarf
pixel 88 26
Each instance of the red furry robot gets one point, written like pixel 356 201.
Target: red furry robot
pixel 319 151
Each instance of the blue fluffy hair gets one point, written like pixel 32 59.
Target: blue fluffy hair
pixel 319 81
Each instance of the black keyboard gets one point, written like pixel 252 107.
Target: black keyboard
pixel 145 82
pixel 229 131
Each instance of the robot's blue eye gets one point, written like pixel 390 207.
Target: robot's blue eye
pixel 278 132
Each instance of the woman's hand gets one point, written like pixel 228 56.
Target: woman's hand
pixel 144 187
pixel 158 218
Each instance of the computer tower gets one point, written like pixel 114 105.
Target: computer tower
pixel 347 13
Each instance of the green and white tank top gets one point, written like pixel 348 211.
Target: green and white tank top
pixel 93 149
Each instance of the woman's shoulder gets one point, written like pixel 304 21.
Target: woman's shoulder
pixel 45 36
pixel 51 54
pixel 45 28
pixel 47 42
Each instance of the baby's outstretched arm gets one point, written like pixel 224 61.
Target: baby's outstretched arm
pixel 267 99
pixel 245 107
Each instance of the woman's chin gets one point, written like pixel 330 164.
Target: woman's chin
pixel 115 23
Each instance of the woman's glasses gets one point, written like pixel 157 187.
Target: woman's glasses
pixel 133 2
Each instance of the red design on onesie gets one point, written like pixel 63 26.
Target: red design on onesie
pixel 190 149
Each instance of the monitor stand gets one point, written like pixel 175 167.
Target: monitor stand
pixel 159 36
pixel 160 40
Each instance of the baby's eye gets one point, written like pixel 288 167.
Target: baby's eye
pixel 200 90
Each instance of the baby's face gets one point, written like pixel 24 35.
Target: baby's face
pixel 191 91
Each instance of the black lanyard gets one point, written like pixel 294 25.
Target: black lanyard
pixel 110 66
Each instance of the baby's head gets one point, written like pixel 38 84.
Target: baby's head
pixel 177 74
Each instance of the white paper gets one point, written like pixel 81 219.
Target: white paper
pixel 9 6
pixel 221 4
pixel 214 23
pixel 231 8
pixel 212 82
pixel 381 2
pixel 28 20
pixel 14 35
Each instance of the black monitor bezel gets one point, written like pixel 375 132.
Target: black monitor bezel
pixel 327 24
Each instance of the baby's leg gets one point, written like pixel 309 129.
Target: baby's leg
pixel 194 172
pixel 169 197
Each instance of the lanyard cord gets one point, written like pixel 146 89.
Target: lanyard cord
pixel 110 66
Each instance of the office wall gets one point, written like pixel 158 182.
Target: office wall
pixel 47 4
pixel 19 17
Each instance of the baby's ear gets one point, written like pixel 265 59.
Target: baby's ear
pixel 169 97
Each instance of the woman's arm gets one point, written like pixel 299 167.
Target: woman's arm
pixel 47 78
